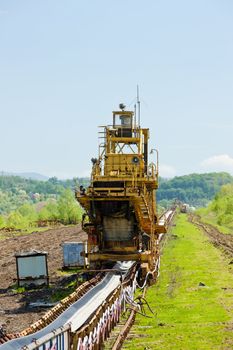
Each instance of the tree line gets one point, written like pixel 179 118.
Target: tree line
pixel 16 191
pixel 195 189
pixel 25 202
pixel 64 210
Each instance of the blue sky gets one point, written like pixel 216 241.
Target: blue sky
pixel 65 65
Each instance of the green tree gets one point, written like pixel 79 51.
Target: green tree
pixel 68 208
pixel 49 211
pixel 16 220
pixel 28 211
pixel 220 210
pixel 2 221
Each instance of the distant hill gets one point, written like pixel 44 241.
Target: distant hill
pixel 33 176
pixel 195 189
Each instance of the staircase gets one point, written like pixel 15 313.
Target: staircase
pixel 143 214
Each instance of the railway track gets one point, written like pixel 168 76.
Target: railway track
pixel 126 327
pixel 86 317
pixel 167 218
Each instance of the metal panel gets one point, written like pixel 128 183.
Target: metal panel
pixel 32 266
pixel 72 254
pixel 117 229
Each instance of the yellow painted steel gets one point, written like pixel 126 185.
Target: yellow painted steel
pixel 122 174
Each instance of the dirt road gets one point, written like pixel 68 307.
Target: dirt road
pixel 219 240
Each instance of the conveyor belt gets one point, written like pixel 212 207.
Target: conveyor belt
pixel 78 313
pixel 165 217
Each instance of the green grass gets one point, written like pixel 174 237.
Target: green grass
pixel 62 293
pixel 16 289
pixel 69 271
pixel 11 234
pixel 188 316
pixel 66 290
pixel 211 218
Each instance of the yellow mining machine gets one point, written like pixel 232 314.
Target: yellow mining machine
pixel 120 204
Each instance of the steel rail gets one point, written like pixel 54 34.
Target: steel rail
pixel 165 217
pixel 125 330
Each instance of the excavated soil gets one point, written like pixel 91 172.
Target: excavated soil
pixel 219 240
pixel 15 312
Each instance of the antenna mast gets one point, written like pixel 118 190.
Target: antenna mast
pixel 138 103
pixel 135 116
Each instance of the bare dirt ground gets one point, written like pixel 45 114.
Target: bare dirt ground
pixel 219 240
pixel 15 313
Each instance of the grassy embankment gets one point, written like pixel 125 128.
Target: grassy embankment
pixel 208 216
pixel 17 233
pixel 188 315
pixel 219 212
